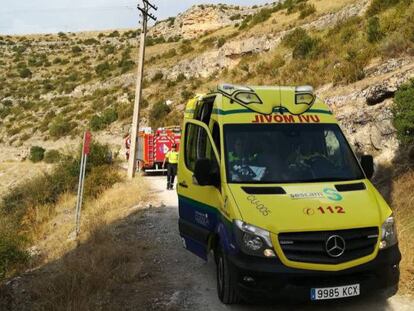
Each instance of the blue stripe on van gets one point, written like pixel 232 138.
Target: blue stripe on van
pixel 205 217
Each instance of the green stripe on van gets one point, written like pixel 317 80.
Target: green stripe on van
pixel 275 110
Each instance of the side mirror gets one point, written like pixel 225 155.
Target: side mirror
pixel 206 173
pixel 367 163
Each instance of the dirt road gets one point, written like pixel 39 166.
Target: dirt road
pixel 192 282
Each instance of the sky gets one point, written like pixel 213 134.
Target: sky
pixel 51 16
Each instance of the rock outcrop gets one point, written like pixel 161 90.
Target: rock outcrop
pixel 229 55
pixel 200 19
pixel 369 127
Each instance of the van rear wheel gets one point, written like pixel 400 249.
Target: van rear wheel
pixel 226 279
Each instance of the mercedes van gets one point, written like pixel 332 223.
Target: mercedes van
pixel 268 182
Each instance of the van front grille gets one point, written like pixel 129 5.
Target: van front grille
pixel 343 245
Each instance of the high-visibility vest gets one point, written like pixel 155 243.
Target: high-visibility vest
pixel 172 157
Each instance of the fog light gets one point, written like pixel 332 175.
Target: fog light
pixel 383 244
pixel 269 253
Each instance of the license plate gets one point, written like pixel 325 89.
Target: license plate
pixel 334 292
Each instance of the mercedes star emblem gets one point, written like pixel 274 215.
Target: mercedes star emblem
pixel 335 246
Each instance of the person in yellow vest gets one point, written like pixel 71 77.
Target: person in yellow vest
pixel 172 157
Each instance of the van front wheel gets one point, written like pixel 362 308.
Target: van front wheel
pixel 226 279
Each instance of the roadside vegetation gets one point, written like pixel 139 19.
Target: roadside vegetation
pixel 29 205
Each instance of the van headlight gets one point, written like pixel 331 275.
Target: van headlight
pixel 389 233
pixel 253 240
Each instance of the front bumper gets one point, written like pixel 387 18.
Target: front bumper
pixel 269 278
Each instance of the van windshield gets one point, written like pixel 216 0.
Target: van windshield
pixel 288 153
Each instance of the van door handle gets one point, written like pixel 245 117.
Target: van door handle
pixel 183 184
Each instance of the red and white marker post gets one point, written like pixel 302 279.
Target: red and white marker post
pixel 85 152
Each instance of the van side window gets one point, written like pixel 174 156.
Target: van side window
pixel 197 146
pixel 216 137
pixel 204 112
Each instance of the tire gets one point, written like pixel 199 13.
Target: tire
pixel 226 279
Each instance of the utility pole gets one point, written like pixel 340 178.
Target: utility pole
pixel 146 6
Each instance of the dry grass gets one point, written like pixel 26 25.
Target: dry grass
pixel 79 278
pixel 11 173
pixel 403 203
pixel 114 204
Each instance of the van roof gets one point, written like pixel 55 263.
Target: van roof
pixel 263 103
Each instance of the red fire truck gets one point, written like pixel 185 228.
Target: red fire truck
pixel 153 145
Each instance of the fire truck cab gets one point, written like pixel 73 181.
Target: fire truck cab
pixel 268 182
pixel 153 145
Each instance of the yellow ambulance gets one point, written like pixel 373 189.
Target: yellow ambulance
pixel 268 183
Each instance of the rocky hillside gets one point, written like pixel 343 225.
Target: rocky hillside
pixel 355 52
pixel 201 19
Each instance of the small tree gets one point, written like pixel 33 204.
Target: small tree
pixel 36 154
pixel 374 32
pixel 25 73
pixel 59 127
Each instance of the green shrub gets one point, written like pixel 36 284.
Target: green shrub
pixel 185 95
pixel 352 68
pixel 307 48
pixel 169 54
pixel 157 76
pixel 99 179
pixel 97 123
pixel 114 34
pixel 374 32
pixel 102 68
pixel 109 116
pixel 235 17
pixel 404 113
pixel 52 156
pixel 377 6
pixel 306 10
pixel 59 127
pixel 90 41
pixel 304 46
pixel 36 154
pixel 109 49
pixel 125 111
pixel 12 249
pixel 62 35
pixel 4 112
pixel 25 73
pixel 220 42
pixel 181 77
pixel 291 39
pixel 158 112
pixel 186 48
pixel 100 122
pixel 126 65
pixel 76 49
pixel 262 16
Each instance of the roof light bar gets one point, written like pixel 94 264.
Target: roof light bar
pixel 304 89
pixel 230 89
pixel 304 95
